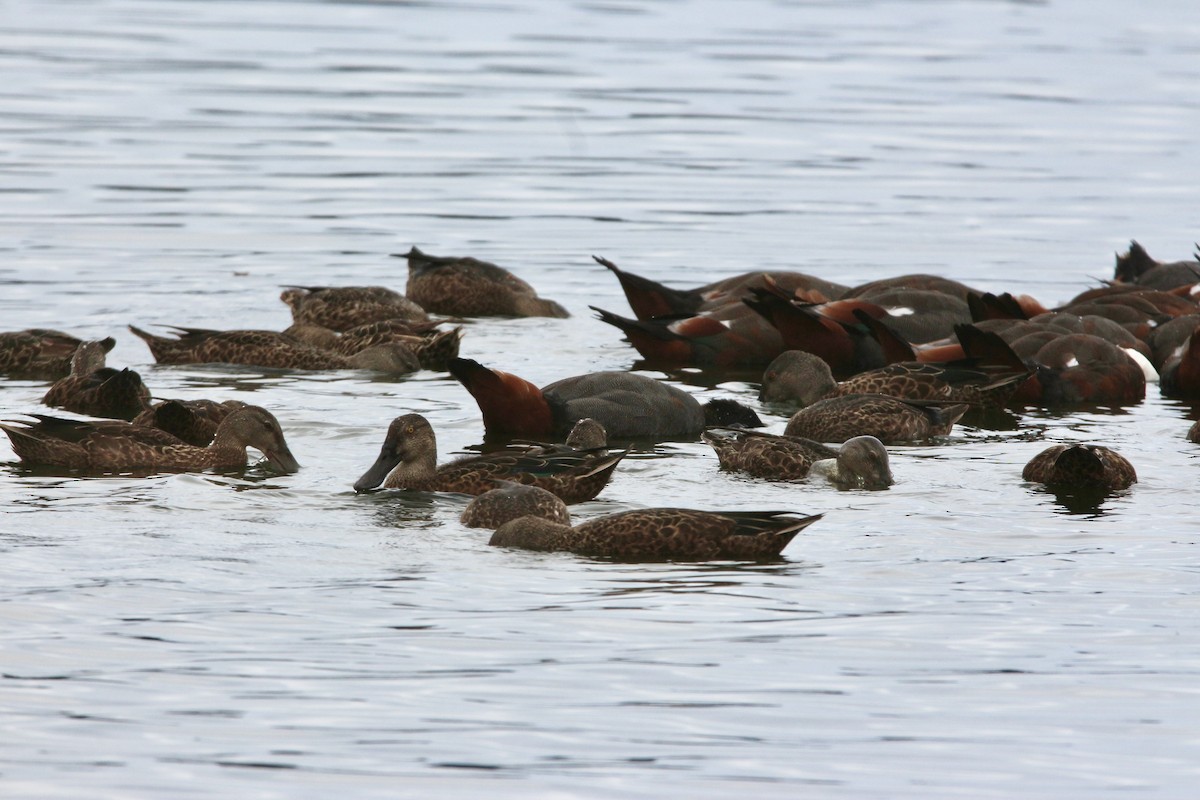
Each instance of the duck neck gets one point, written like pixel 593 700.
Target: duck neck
pixel 418 472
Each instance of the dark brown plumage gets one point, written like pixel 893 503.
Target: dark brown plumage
pixel 888 419
pixel 1084 466
pixel 40 353
pixel 861 462
pixel 269 349
pixel 112 446
pixel 510 501
pixel 408 460
pixel 662 534
pixel 193 421
pixel 341 308
pixel 96 390
pixel 468 287
pixel 803 378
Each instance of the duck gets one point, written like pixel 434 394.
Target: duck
pixel 649 299
pixel 341 308
pixel 1136 266
pixel 891 420
pixel 433 348
pixel 408 460
pixel 1181 370
pixel 860 463
pixel 662 534
pixel 269 349
pixel 626 404
pixel 193 421
pixel 467 287
pixel 508 501
pixel 95 390
pixel 114 446
pixel 40 353
pixel 731 336
pixel 1084 466
pixel 799 378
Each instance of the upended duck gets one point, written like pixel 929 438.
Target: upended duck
pixel 662 534
pixel 626 404
pixel 1084 466
pixel 113 446
pixel 467 287
pixel 860 463
pixel 98 390
pixel 408 460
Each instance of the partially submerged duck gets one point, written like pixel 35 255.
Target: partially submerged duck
pixel 193 421
pixel 40 353
pixel 468 287
pixel 97 390
pixel 408 460
pixel 889 419
pixel 662 534
pixel 860 462
pixel 509 501
pixel 1083 466
pixel 341 308
pixel 112 446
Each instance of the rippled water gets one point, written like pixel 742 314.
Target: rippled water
pixel 961 635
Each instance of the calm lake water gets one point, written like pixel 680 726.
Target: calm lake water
pixel 960 635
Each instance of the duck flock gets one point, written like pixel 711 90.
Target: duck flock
pixel 900 360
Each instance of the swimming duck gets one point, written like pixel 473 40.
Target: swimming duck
pixel 649 299
pixel 860 463
pixel 40 353
pixel 408 460
pixel 340 308
pixel 889 419
pixel 433 348
pixel 1086 466
pixel 112 446
pixel 802 379
pixel 1136 266
pixel 193 421
pixel 97 390
pixel 626 404
pixel 662 534
pixel 468 287
pixel 511 500
pixel 269 349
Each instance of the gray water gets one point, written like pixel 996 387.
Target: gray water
pixel 960 635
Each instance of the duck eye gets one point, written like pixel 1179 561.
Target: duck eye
pixel 410 429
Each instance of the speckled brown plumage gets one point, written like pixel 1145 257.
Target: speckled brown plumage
pixel 1085 466
pixel 193 421
pixel 408 460
pixel 803 378
pixel 861 462
pixel 888 419
pixel 112 446
pixel 510 501
pixel 341 308
pixel 40 353
pixel 468 287
pixel 97 390
pixel 662 534
pixel 269 349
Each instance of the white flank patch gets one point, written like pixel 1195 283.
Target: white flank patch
pixel 1147 368
pixel 1074 362
pixel 901 311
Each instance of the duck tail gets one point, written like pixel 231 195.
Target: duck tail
pixel 648 298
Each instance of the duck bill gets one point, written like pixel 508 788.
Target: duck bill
pixel 376 474
pixel 283 460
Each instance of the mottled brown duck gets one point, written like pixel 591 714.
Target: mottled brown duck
pixel 408 460
pixel 112 446
pixel 193 421
pixel 510 501
pixel 269 349
pixel 468 287
pixel 341 308
pixel 662 534
pixel 96 390
pixel 801 378
pixel 1085 466
pixel 889 419
pixel 40 353
pixel 860 463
